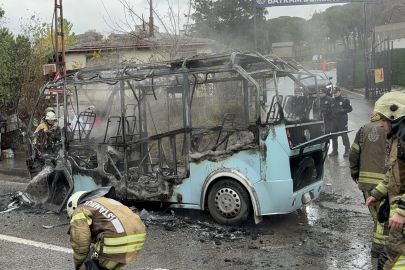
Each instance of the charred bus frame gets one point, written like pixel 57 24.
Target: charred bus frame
pixel 77 161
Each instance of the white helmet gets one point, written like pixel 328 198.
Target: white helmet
pixel 81 196
pixel 50 116
pixel 73 201
pixel 391 105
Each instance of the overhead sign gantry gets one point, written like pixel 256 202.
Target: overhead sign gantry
pixel 274 3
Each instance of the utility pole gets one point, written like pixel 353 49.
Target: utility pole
pixel 151 32
pixel 60 66
pixel 254 28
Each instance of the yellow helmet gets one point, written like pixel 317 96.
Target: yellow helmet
pixel 391 105
pixel 73 201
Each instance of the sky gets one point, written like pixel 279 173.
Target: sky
pixel 93 14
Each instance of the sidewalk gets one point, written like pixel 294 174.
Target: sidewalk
pixel 362 91
pixel 14 166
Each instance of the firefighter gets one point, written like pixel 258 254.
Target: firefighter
pixel 48 126
pixel 368 158
pixel 340 107
pixel 117 233
pixel 296 105
pixel 391 108
pixel 49 109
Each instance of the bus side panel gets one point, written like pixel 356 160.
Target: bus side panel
pixel 276 197
pixel 275 162
pixel 246 162
pixel 182 193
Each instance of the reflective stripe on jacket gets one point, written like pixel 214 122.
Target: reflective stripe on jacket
pixel 369 155
pixel 117 232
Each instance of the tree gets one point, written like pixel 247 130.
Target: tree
pixel 165 44
pixel 14 56
pixel 46 38
pixel 316 31
pixel 230 22
pixel 285 28
pixel 345 21
pixel 391 11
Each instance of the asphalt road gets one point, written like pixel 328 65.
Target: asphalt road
pixel 332 232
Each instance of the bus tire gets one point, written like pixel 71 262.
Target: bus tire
pixel 229 203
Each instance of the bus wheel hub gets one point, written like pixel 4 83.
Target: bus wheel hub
pixel 227 202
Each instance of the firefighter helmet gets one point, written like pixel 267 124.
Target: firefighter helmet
pixel 50 116
pixel 73 202
pixel 50 109
pixel 391 105
pixel 82 196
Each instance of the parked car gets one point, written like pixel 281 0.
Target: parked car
pixel 324 82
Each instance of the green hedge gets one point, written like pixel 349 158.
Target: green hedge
pixel 359 71
pixel 398 67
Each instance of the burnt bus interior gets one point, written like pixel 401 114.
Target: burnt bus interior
pixel 139 126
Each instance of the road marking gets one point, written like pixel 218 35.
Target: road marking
pixel 344 89
pixel 34 243
pixel 350 122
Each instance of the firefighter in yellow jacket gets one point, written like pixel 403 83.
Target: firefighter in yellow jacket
pixel 47 126
pixel 391 108
pixel 117 233
pixel 368 158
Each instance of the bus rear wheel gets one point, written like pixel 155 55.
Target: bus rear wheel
pixel 229 203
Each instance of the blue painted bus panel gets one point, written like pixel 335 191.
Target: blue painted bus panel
pixel 277 197
pixel 246 162
pixel 84 183
pixel 275 163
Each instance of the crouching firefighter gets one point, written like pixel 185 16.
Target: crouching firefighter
pixel 391 108
pixel 117 234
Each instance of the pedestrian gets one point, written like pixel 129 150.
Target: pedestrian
pixel 117 233
pixel 391 108
pixel 369 156
pixel 296 105
pixel 340 107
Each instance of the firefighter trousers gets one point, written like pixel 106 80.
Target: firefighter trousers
pixel 380 231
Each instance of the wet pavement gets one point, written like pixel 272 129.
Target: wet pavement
pixel 14 166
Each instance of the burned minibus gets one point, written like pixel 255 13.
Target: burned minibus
pixel 207 133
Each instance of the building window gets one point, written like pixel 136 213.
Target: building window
pixel 279 51
pixel 287 50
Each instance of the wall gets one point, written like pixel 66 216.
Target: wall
pixel 138 55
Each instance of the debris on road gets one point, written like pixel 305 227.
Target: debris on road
pixel 54 226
